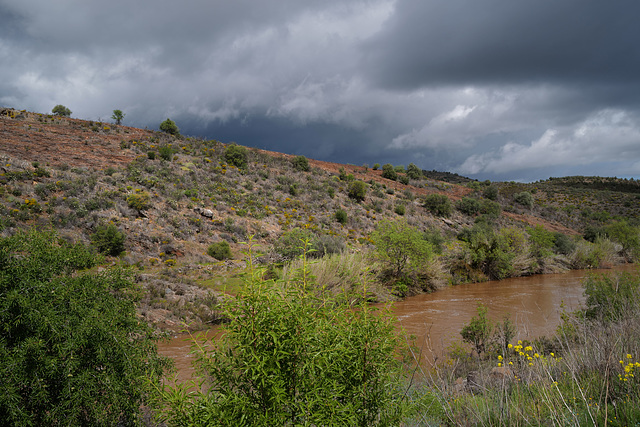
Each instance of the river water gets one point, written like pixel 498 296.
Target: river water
pixel 534 304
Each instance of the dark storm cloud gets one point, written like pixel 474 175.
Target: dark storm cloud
pixel 493 41
pixel 492 89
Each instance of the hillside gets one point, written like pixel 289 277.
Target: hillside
pixel 173 197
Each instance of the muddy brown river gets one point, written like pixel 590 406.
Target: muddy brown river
pixel 534 303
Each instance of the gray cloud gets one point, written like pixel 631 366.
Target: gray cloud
pixel 473 87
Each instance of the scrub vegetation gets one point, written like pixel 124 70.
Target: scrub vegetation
pixel 176 212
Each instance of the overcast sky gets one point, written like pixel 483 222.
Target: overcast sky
pixel 500 90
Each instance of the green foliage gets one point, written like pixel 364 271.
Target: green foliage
pixel 468 206
pixel 341 216
pixel 401 246
pixel 610 297
pixel 542 241
pixel 170 127
pixel 563 244
pixel 219 250
pixel 490 192
pixel 166 152
pixel 414 172
pixel 301 163
pixel 478 331
pixel 626 235
pixel 357 190
pixel 118 116
pixel 289 357
pixel 61 110
pixel 151 155
pixel 236 155
pixel 438 204
pixel 490 252
pixel 399 209
pixel 139 200
pixel 72 350
pixel 399 168
pixel 376 166
pixel 389 172
pixel 404 179
pixel 292 243
pixel 109 240
pixel 490 208
pixel 524 198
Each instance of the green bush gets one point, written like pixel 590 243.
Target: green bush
pixel 292 243
pixel 376 166
pixel 357 190
pixel 490 208
pixel 389 172
pixel 401 246
pixel 610 297
pixel 524 198
pixel 109 240
pixel 166 152
pixel 219 250
pixel 170 127
pixel 468 206
pixel 414 171
pixel 236 155
pixel 563 244
pixel 118 116
pixel 72 349
pixel 301 163
pixel 438 204
pixel 139 200
pixel 289 357
pixel 61 110
pixel 341 216
pixel 478 331
pixel 490 192
pixel 404 179
pixel 399 209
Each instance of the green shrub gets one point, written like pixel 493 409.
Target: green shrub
pixel 438 204
pixel 610 297
pixel 219 250
pixel 61 110
pixel 376 166
pixel 170 127
pixel 151 155
pixel 109 240
pixel 357 190
pixel 478 331
pixel 399 169
pixel 490 192
pixel 118 116
pixel 414 171
pixel 166 152
pixel 72 349
pixel 292 243
pixel 139 200
pixel 236 155
pixel 289 357
pixel 468 206
pixel 563 244
pixel 524 198
pixel 490 208
pixel 341 216
pixel 389 172
pixel 401 246
pixel 404 179
pixel 301 163
pixel 542 241
pixel 399 209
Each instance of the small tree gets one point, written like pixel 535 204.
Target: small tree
pixel 219 250
pixel 438 204
pixel 341 216
pixel 61 110
pixel 389 172
pixel 170 127
pixel 414 171
pixel 525 199
pixel 118 116
pixel 140 201
pixel 301 163
pixel 401 246
pixel 236 155
pixel 109 240
pixel 478 331
pixel 357 190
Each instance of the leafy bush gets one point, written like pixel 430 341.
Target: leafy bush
pixel 468 206
pixel 490 192
pixel 109 240
pixel 139 200
pixel 610 297
pixel 478 331
pixel 399 209
pixel 401 246
pixel 376 166
pixel 61 110
pixel 118 116
pixel 219 250
pixel 289 357
pixel 72 349
pixel 357 190
pixel 301 163
pixel 542 241
pixel 414 171
pixel 563 244
pixel 490 208
pixel 389 172
pixel 524 198
pixel 170 127
pixel 438 204
pixel 166 152
pixel 292 243
pixel 404 179
pixel 341 216
pixel 236 155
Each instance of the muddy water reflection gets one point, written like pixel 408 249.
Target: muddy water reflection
pixel 534 304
